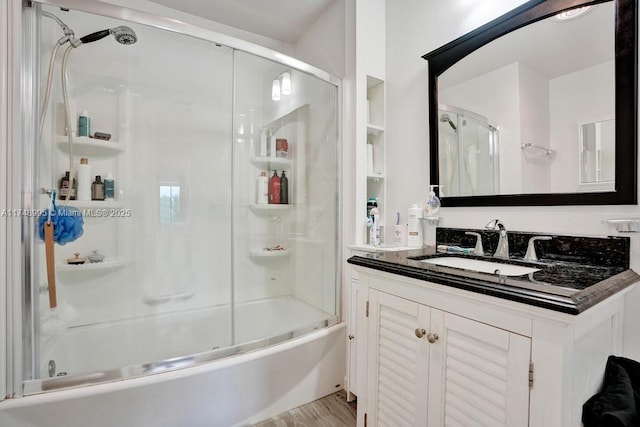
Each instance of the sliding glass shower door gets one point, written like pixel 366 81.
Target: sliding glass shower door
pixel 185 255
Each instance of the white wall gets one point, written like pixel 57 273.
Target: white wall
pixel 413 29
pixel 323 43
pixel 575 98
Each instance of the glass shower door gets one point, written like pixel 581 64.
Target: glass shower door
pixel 285 223
pixel 163 287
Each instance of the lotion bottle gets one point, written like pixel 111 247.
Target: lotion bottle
pixel 415 236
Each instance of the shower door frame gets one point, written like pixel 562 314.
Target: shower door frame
pixel 21 338
pixel 494 140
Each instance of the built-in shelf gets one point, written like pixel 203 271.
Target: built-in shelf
pixel 262 253
pixel 374 129
pixel 376 176
pixel 107 264
pixel 92 204
pixel 89 147
pixel 629 225
pixel 271 162
pixel 270 208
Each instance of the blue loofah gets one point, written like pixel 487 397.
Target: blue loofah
pixel 67 224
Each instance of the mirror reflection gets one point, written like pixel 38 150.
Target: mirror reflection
pixel 523 113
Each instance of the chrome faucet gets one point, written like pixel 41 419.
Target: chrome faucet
pixel 531 249
pixel 502 251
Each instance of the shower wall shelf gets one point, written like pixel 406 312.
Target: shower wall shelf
pixel 107 264
pixel 89 147
pixel 270 208
pixel 261 253
pixel 374 129
pixel 269 162
pixel 92 204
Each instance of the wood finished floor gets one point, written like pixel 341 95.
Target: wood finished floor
pixel 330 411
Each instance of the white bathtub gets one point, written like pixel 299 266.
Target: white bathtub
pixel 232 391
pixel 114 345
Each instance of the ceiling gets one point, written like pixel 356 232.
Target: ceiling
pixel 283 20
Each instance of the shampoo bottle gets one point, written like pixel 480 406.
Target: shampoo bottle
pixel 84 180
pixel 432 206
pixel 84 124
pixel 274 189
pixel 97 189
pixel 284 189
pixel 109 187
pixel 414 235
pixel 262 190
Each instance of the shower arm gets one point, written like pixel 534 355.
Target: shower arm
pixel 69 35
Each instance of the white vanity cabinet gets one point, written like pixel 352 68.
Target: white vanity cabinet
pixel 441 356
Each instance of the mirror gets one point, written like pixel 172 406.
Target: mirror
pixel 532 109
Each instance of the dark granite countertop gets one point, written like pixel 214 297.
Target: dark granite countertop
pixel 559 285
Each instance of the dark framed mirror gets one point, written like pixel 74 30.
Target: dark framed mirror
pixel 534 109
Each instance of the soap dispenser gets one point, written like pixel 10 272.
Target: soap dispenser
pixel 432 206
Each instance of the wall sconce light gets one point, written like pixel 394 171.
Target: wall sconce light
pixel 275 89
pixel 281 85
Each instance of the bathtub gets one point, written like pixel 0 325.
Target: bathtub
pixel 233 390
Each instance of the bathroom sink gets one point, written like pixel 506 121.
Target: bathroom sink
pixel 481 266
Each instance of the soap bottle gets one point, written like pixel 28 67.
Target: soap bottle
pixel 284 189
pixel 97 189
pixel 414 234
pixel 262 190
pixel 274 189
pixel 374 233
pixel 432 206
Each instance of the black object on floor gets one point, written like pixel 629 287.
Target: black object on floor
pixel 618 402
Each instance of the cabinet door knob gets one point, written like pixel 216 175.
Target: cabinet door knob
pixel 420 332
pixel 351 337
pixel 432 337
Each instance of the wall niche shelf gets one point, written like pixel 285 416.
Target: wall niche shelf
pixel 107 264
pixel 89 147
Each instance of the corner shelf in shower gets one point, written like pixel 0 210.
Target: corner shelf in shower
pixel 261 253
pixel 90 147
pixel 271 162
pixel 269 208
pixel 92 204
pixel 107 264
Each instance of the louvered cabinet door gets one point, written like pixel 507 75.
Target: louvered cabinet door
pixel 479 374
pixel 398 364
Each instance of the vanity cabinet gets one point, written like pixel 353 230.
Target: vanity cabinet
pixel 436 368
pixel 437 355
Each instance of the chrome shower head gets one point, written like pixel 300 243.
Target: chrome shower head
pixel 122 34
pixel 446 119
